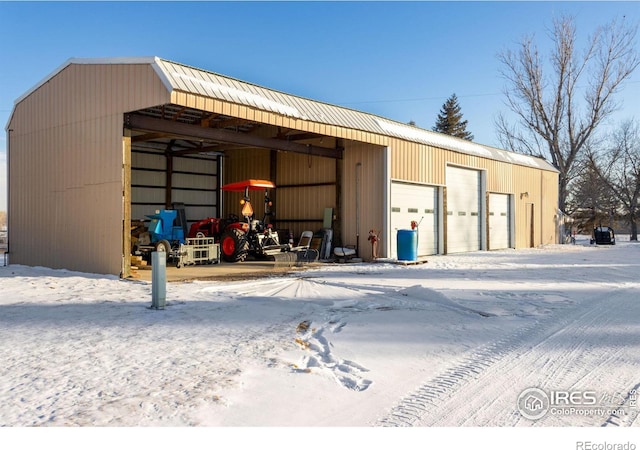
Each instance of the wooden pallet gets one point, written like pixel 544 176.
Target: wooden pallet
pixel 411 263
pixel 400 262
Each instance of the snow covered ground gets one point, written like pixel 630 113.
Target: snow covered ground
pixel 450 343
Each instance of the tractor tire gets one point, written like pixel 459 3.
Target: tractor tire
pixel 234 245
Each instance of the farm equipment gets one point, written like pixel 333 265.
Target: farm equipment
pixel 199 250
pixel 603 236
pixel 249 236
pixel 164 232
pixel 167 234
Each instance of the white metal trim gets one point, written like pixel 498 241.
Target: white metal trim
pixel 512 221
pixel 441 220
pixel 483 210
pixel 417 183
pixel 386 225
pixel 161 74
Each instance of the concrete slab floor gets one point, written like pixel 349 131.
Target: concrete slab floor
pixel 226 271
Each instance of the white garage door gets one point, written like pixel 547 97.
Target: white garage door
pixel 463 210
pixel 415 202
pixel 499 221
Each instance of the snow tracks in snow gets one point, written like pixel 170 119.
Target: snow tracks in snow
pixel 578 349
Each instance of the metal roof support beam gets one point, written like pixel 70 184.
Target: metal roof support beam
pixel 148 137
pixel 301 136
pixel 145 123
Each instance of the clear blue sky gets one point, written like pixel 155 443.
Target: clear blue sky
pixel 400 60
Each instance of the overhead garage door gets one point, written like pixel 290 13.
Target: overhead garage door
pixel 499 221
pixel 463 210
pixel 415 202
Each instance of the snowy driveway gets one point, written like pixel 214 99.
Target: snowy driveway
pixel 453 342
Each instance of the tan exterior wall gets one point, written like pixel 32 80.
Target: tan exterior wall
pixel 425 164
pixel 535 191
pixel 66 166
pixel 293 202
pixel 241 165
pixel 549 207
pixel 369 210
pixel 536 204
pixel 307 185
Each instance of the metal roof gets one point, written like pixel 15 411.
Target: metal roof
pixel 208 84
pixel 180 77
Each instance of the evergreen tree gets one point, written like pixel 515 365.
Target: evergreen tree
pixel 450 120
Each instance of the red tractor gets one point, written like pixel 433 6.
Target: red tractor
pixel 240 238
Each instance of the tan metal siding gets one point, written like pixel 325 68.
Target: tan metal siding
pixel 73 198
pixel 66 166
pixel 425 164
pixel 302 208
pixel 296 201
pixel 371 194
pixel 549 208
pixel 296 168
pixel 417 162
pixel 243 164
pixel 529 192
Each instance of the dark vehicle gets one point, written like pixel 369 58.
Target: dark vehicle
pixel 603 236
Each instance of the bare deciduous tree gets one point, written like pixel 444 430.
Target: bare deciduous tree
pixel 618 168
pixel 558 111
